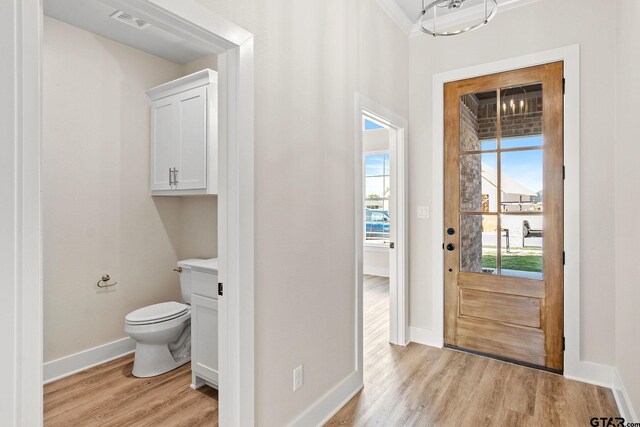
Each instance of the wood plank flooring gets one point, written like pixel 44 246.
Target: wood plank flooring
pixel 404 386
pixel 418 385
pixel 109 395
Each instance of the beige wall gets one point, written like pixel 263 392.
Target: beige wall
pixel 98 215
pixel 198 227
pixel 544 25
pixel 198 215
pixel 310 58
pixel 207 61
pixel 627 205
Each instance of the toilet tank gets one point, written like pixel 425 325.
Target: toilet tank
pixel 202 266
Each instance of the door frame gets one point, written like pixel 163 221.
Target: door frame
pixel 21 254
pixel 398 294
pixel 574 366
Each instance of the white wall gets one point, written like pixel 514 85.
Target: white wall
pixel 627 205
pixel 541 26
pixel 98 215
pixel 310 58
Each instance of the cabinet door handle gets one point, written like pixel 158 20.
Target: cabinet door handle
pixel 175 176
pixel 170 177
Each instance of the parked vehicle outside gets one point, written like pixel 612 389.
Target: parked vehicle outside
pixel 377 224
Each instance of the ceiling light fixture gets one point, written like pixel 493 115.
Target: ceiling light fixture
pixel 488 11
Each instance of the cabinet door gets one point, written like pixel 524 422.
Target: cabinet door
pixel 164 150
pixel 204 337
pixel 192 128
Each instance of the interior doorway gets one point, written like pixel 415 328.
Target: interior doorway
pixel 380 225
pixel 503 196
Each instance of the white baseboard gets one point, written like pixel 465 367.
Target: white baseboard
pixel 328 405
pixel 627 411
pixel 375 271
pixel 589 372
pixel 78 362
pixel 425 337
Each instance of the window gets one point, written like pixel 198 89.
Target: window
pixel 370 125
pixel 376 198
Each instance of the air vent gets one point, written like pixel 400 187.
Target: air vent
pixel 132 21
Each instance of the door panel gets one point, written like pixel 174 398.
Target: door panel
pixel 502 340
pixel 505 308
pixel 503 192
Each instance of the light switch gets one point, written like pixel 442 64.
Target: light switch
pixel 423 212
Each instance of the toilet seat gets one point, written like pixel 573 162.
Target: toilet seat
pixel 157 313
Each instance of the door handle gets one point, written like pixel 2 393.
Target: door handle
pixel 451 247
pixel 170 177
pixel 175 176
pixel 392 245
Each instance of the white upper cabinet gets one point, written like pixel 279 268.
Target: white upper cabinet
pixel 184 136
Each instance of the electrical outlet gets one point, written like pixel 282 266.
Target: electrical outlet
pixel 423 212
pixel 298 377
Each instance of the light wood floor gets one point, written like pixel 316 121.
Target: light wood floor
pixel 404 386
pixel 424 386
pixel 108 395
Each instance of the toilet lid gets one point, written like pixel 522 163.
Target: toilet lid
pixel 157 312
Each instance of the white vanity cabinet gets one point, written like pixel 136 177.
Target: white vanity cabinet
pixel 184 136
pixel 204 328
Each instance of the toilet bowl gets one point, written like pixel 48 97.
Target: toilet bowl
pixel 163 331
pixel 163 337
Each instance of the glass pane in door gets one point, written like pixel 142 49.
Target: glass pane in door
pixel 521 181
pixel 478 121
pixel 521 116
pixel 522 248
pixel 478 243
pixel 478 182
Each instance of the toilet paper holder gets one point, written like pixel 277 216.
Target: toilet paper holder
pixel 105 278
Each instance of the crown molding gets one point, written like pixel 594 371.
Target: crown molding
pixel 397 15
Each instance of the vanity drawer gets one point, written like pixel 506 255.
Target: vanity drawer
pixel 204 284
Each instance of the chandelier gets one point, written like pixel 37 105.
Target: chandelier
pixel 486 11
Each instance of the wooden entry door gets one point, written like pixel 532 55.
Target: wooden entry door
pixel 503 217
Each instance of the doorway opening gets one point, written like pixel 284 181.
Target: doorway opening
pixel 114 263
pixel 380 231
pixel 234 48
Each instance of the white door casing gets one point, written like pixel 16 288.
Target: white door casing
pixel 398 292
pixel 21 254
pixel 574 366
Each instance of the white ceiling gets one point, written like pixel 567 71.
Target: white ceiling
pixel 94 16
pixel 406 12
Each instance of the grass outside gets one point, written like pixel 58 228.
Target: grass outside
pixel 514 262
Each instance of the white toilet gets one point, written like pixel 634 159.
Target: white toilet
pixel 163 331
